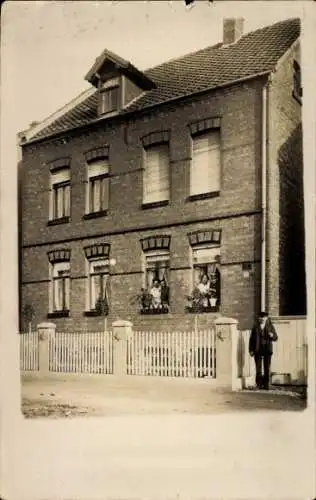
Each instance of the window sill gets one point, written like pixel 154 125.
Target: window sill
pixel 55 222
pixel 203 196
pixel 95 215
pixel 58 314
pixel 202 310
pixel 155 204
pixel 161 310
pixel 93 314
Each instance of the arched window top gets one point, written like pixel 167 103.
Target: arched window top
pixel 158 137
pixel 59 255
pixel 204 125
pixel 99 153
pixel 158 242
pixel 211 236
pixel 59 163
pixel 98 250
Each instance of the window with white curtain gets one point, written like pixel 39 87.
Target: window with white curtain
pixel 206 275
pixel 98 280
pixel 97 196
pixel 156 181
pixel 156 283
pixel 206 163
pixel 60 194
pixel 60 281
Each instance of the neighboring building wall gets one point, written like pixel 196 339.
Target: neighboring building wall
pixel 286 236
pixel 236 211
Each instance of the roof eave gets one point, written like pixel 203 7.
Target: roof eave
pixel 151 106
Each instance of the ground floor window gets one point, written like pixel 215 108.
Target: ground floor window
pixel 60 287
pixel 155 292
pixel 206 291
pixel 98 286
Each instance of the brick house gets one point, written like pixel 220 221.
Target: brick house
pixel 171 194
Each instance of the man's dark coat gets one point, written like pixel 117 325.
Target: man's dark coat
pixel 259 339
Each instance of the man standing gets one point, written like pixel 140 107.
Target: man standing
pixel 260 347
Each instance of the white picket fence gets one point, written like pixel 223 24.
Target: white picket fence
pixel 81 352
pixel 29 351
pixel 289 363
pixel 172 354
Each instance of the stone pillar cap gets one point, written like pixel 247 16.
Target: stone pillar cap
pixel 225 321
pixel 46 325
pixel 122 322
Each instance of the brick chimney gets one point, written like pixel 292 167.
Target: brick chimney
pixel 232 29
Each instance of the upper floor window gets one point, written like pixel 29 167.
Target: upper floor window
pixel 297 82
pixel 205 169
pixel 109 96
pixel 156 180
pixel 97 195
pixel 60 194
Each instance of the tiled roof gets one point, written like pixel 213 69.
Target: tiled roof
pixel 255 53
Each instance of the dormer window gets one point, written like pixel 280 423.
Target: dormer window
pixel 110 96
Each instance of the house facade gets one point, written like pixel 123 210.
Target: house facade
pixel 170 196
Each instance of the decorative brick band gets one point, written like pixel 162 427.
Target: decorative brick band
pixel 205 124
pixel 59 163
pixel 97 250
pixel 97 153
pixel 200 237
pixel 59 255
pixel 156 137
pixel 161 242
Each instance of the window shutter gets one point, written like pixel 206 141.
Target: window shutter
pixel 205 166
pixel 60 176
pixel 98 168
pixel 156 177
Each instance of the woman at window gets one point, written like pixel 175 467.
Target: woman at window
pixel 204 289
pixel 156 294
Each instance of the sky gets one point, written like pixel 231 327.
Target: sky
pixel 48 47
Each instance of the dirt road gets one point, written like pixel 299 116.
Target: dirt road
pixel 95 395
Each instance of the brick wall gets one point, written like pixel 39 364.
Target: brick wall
pixel 127 222
pixel 286 245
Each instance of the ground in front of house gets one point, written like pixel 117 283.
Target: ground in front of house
pixel 69 396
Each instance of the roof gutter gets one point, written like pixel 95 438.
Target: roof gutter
pixel 264 195
pixel 148 108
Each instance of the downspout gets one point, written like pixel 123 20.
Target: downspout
pixel 264 147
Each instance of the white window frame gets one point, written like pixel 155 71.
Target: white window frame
pixel 60 180
pixel 209 184
pixel 90 292
pixel 97 170
pixel 155 255
pixel 105 89
pixel 162 195
pixel 208 247
pixel 54 269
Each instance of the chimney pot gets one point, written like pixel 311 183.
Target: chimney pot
pixel 232 29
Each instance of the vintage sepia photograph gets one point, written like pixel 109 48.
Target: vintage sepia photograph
pixel 161 212
pixel 161 221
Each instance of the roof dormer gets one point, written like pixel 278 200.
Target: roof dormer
pixel 118 82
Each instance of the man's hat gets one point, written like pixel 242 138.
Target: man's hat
pixel 263 314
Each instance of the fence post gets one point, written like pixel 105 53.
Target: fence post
pixel 227 353
pixel 45 332
pixel 122 331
